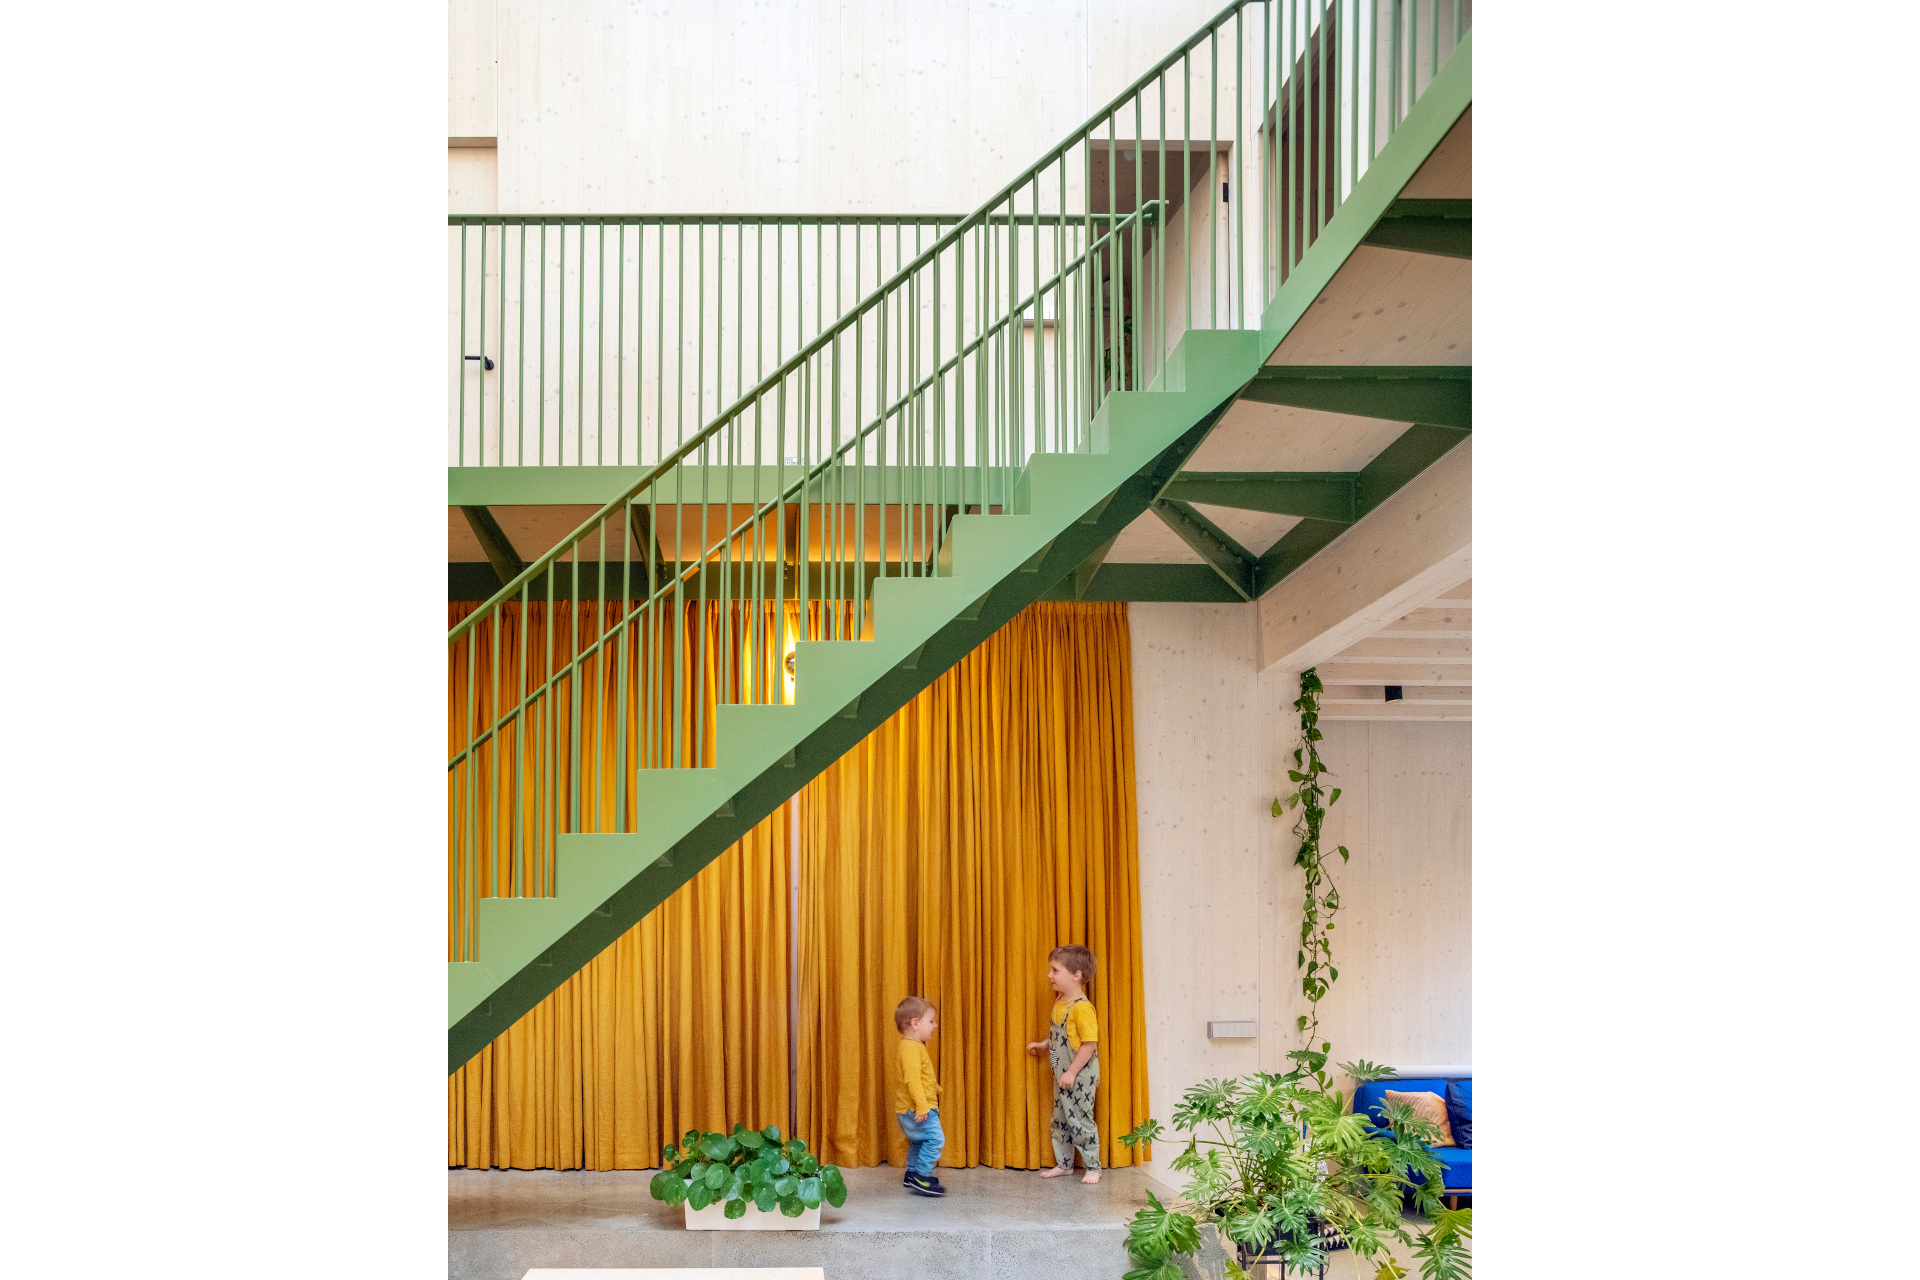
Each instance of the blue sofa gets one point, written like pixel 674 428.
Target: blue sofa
pixel 1456 1161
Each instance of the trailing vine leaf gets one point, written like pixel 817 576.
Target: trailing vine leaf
pixel 1320 901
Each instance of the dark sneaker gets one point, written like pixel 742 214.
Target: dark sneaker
pixel 924 1186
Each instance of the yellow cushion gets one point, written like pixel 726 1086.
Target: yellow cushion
pixel 1427 1106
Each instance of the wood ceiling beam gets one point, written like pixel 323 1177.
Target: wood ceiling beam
pixel 1401 711
pixel 1368 694
pixel 1404 674
pixel 1411 548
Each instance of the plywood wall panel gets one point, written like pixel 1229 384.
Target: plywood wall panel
pixel 1201 777
pixel 1404 941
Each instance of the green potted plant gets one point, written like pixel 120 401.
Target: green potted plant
pixel 747 1180
pixel 1279 1166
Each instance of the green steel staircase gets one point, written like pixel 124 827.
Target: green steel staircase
pixel 954 446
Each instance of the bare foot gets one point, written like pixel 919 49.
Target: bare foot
pixel 1055 1173
pixel 1092 1176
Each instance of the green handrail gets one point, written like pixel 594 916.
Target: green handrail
pixel 923 396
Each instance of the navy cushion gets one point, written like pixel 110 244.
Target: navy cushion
pixel 1460 1110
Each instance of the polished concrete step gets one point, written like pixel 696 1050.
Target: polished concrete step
pixel 993 1225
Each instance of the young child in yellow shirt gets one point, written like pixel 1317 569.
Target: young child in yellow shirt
pixel 1072 1045
pixel 916 1095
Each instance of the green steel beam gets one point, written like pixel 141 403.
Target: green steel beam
pixel 494 544
pixel 1440 394
pixel 1315 495
pixel 1417 448
pixel 1442 227
pixel 1172 583
pixel 1211 543
pixel 1164 583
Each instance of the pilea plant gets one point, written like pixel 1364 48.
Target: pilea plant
pixel 1322 899
pixel 1276 1161
pixel 747 1167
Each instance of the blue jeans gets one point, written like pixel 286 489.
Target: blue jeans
pixel 925 1141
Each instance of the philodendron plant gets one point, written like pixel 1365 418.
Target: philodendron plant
pixel 1273 1158
pixel 747 1167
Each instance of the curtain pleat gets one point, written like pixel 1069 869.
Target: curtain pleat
pixel 987 822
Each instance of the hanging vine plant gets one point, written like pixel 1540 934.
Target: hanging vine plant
pixel 1321 900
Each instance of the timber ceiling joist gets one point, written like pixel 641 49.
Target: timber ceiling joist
pixel 1424 658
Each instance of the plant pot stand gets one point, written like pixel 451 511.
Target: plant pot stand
pixel 714 1218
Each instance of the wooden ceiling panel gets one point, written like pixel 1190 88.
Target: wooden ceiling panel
pixel 1387 307
pixel 1428 652
pixel 1148 541
pixel 1255 531
pixel 1270 437
pixel 1448 172
pixel 462 546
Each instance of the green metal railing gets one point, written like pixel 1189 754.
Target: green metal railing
pixel 1183 204
pixel 606 341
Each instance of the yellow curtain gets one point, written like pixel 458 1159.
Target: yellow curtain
pixel 681 1023
pixel 989 821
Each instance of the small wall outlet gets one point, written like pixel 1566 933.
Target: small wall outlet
pixel 1232 1031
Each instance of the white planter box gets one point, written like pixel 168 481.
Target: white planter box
pixel 714 1218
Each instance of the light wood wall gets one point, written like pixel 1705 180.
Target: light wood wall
pixel 608 107
pixel 1220 897
pixel 1405 938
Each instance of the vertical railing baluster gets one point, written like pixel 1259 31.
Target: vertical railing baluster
pixel 520 361
pixel 1237 258
pixel 500 392
pixel 480 413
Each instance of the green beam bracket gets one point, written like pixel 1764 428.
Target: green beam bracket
pixel 1439 394
pixel 640 526
pixel 506 562
pixel 1227 557
pixel 1313 495
pixel 1442 227
pixel 1084 575
pixel 1416 449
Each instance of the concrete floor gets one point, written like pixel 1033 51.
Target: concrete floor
pixel 993 1225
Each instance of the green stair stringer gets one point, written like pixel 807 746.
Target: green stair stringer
pixel 1066 507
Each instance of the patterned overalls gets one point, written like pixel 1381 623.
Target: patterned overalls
pixel 1073 1125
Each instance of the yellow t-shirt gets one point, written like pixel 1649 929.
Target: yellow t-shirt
pixel 915 1089
pixel 1081 1024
